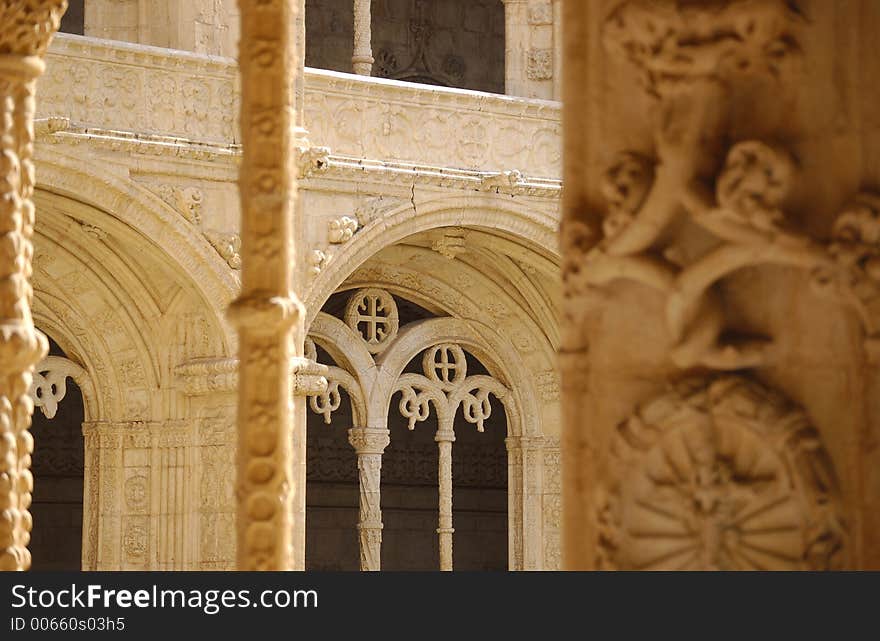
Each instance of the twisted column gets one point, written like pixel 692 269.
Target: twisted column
pixel 445 438
pixel 26 28
pixel 370 444
pixel 267 311
pixel 362 60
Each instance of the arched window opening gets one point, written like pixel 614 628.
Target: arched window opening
pixel 331 487
pixel 57 466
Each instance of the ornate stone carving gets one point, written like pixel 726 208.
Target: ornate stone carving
pixel 227 245
pixel 450 242
pixel 369 445
pixel 445 384
pixel 374 208
pixel 27 28
pixel 676 42
pixel 49 385
pixel 266 311
pixel 503 182
pixel 312 160
pixel 720 474
pixel 539 64
pixel 318 260
pixel 327 401
pixel 372 313
pixel 187 201
pixel 341 230
pixel 853 277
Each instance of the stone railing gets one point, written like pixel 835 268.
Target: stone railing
pixel 119 86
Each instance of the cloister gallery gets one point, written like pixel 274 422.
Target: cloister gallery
pixel 294 284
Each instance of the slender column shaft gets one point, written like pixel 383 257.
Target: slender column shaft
pixel 362 60
pixel 444 439
pixel 267 311
pixel 369 445
pixel 25 32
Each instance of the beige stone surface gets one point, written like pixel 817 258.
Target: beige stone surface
pixel 139 250
pixel 719 344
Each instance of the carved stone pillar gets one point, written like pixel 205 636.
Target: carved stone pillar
pixel 721 265
pixel 370 444
pixel 267 315
pixel 531 48
pixel 25 32
pixel 362 60
pixel 445 439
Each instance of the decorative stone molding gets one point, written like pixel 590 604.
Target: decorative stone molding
pixel 318 260
pixel 671 43
pixel 720 474
pixel 26 28
pixel 227 245
pixel 312 160
pixel 502 183
pixel 539 64
pixel 49 385
pixel 186 200
pixel 186 98
pixel 208 376
pixel 450 242
pixel 341 230
pixel 372 313
pixel 375 208
pixel 853 277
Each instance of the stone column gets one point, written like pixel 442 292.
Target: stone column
pixel 370 444
pixel 721 266
pixel 25 33
pixel 531 56
pixel 516 38
pixel 445 438
pixel 268 316
pixel 362 60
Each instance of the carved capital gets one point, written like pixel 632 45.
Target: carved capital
pixel 368 440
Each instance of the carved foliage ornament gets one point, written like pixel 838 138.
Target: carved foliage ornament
pixel 719 474
pixel 671 42
pixel 372 314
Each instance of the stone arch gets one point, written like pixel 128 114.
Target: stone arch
pixel 117 205
pixel 528 226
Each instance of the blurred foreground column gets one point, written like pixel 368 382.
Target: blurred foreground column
pixel 268 315
pixel 721 242
pixel 26 28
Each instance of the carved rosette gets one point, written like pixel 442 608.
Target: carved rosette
pixel 26 28
pixel 372 314
pixel 720 474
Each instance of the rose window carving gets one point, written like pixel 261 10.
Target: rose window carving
pixel 719 475
pixel 372 313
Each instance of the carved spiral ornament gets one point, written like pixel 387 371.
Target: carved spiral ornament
pixel 719 475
